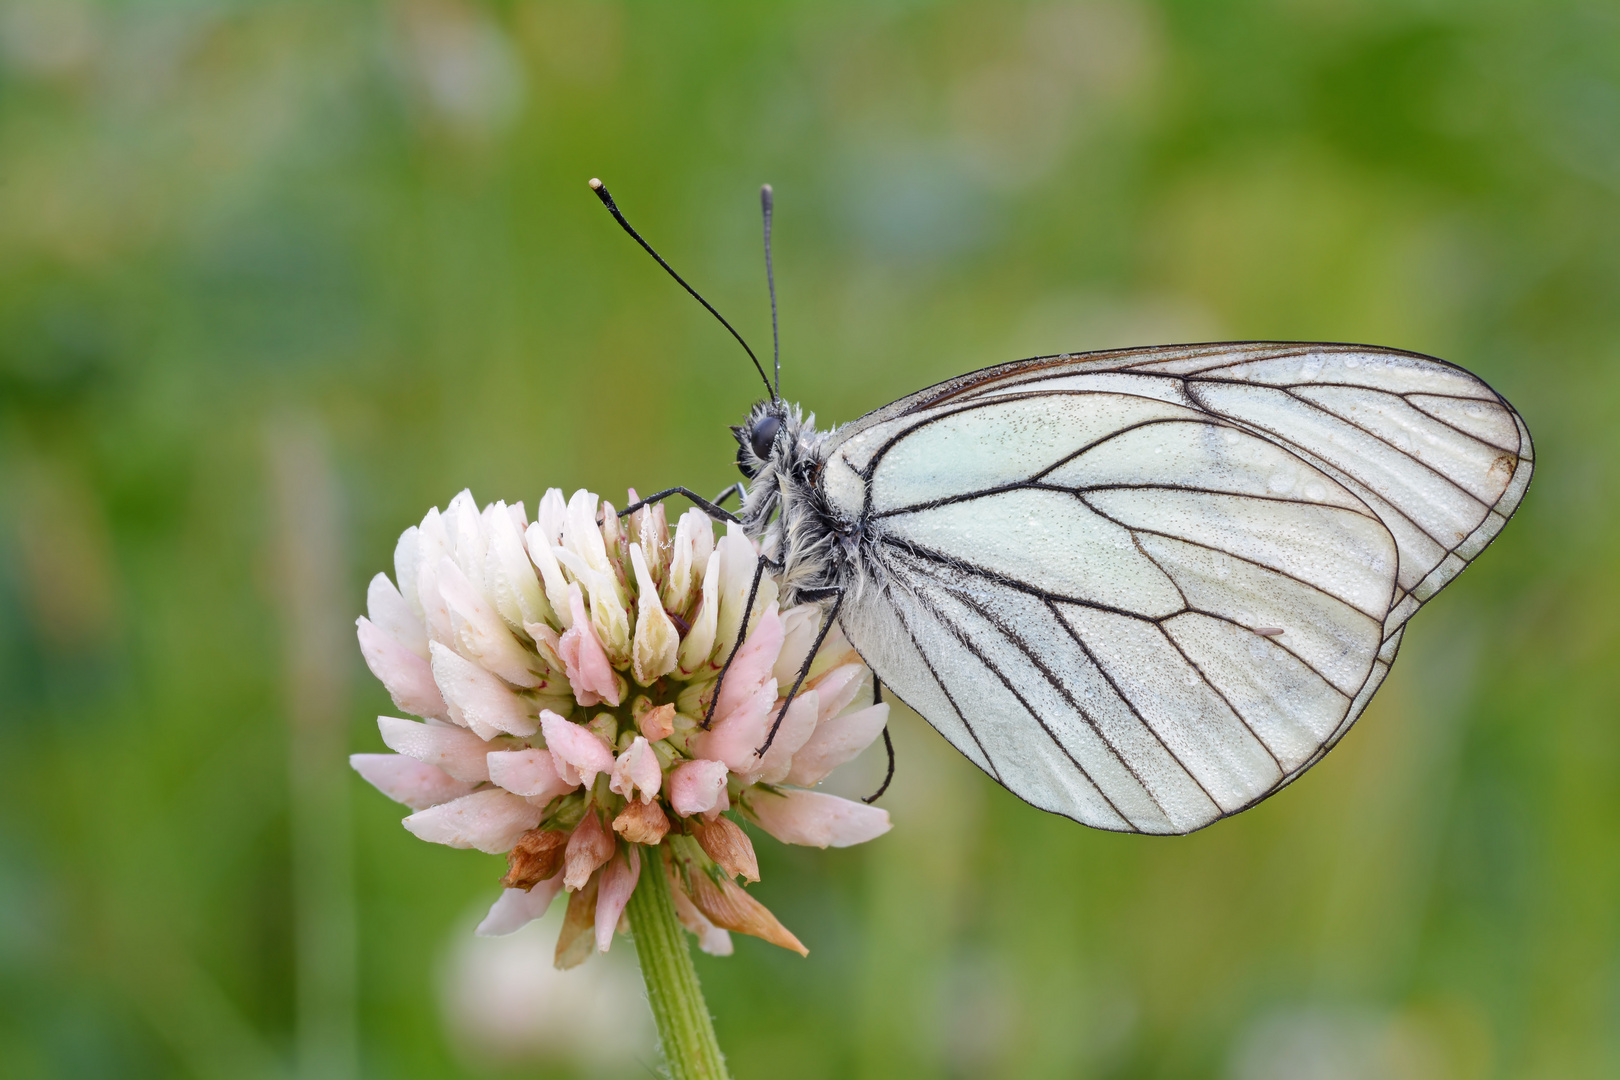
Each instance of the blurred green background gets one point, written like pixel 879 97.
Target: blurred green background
pixel 277 276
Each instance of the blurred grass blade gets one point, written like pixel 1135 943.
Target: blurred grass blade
pixel 308 588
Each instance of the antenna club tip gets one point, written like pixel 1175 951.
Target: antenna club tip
pixel 765 189
pixel 595 184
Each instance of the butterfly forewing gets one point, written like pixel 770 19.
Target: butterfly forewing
pixel 1073 559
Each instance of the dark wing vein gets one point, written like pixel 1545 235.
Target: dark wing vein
pixel 1056 683
pixel 1136 541
pixel 967 643
pixel 1311 455
pixel 1349 720
pixel 1111 436
pixel 900 614
pixel 994 577
pixel 1192 490
pixel 1174 644
pixel 1108 677
pixel 1443 422
pixel 1424 465
pixel 998 578
pixel 1223 551
pixel 1016 485
pixel 869 473
pixel 1036 485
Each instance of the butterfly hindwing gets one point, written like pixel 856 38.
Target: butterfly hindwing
pixel 1073 559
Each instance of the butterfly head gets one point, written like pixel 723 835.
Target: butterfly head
pixel 759 437
pixel 777 452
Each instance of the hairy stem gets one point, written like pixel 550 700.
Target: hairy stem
pixel 684 1027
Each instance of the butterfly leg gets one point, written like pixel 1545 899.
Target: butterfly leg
pixel 742 632
pixel 737 488
pixel 697 500
pixel 888 745
pixel 804 670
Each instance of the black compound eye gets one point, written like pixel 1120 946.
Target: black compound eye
pixel 763 435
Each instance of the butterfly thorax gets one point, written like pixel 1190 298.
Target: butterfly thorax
pixel 781 453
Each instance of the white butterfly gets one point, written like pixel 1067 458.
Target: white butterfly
pixel 1144 588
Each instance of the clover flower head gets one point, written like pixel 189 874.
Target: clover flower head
pixel 566 672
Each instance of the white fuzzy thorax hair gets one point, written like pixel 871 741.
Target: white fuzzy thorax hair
pixel 787 514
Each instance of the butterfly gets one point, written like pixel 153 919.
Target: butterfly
pixel 1141 588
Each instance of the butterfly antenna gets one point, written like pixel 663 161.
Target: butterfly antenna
pixel 767 201
pixel 612 208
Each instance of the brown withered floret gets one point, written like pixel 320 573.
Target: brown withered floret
pixel 536 856
pixel 589 847
pixel 641 823
pixel 575 941
pixel 727 845
pixel 728 905
pixel 658 723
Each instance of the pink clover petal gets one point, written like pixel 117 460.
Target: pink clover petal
pixel 799 626
pixel 589 846
pixel 752 665
pixel 619 879
pixel 547 642
pixel 798 725
pixel 739 556
pixel 637 769
pixel 459 753
pixel 531 773
pixel 836 741
pixel 405 780
pixel 695 787
pixel 838 688
pixel 578 753
pixel 619 781
pixel 490 820
pixel 836 646
pixel 478 699
pixel 394 617
pixel 816 819
pixel 722 803
pixel 516 908
pixel 645 770
pixel 480 631
pixel 589 673
pixel 738 734
pixel 407 677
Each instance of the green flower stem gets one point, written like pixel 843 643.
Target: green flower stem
pixel 677 1003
